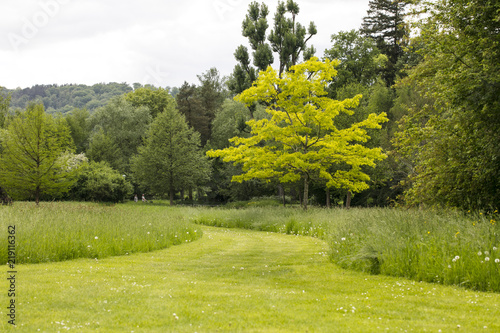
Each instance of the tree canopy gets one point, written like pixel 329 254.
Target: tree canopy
pixel 301 139
pixel 452 139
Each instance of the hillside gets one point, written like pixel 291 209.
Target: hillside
pixel 64 98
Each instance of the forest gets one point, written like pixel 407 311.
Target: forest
pixel 403 111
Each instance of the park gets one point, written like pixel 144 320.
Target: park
pixel 355 190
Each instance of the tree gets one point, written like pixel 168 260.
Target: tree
pixel 156 99
pixel 288 39
pixel 79 124
pixel 360 60
pixel 212 95
pixel 452 138
pixel 33 161
pixel 4 106
pixel 386 25
pixel 119 124
pixel 301 140
pixel 170 158
pixel 190 104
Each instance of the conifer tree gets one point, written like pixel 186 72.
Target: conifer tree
pixel 33 159
pixel 288 39
pixel 385 24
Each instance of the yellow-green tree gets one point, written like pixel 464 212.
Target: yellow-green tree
pixel 301 141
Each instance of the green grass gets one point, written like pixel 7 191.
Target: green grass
pixel 441 247
pixel 63 231
pixel 237 281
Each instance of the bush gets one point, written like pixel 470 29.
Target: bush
pixel 97 181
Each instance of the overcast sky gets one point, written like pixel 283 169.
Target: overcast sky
pixel 160 42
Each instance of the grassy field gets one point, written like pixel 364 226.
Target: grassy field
pixel 63 231
pixel 234 280
pixel 441 247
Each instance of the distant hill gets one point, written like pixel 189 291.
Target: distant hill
pixel 65 98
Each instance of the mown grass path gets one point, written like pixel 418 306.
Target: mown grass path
pixel 241 281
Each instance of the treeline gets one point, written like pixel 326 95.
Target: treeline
pixel 65 98
pixel 438 89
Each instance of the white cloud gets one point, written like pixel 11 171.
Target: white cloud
pixel 152 41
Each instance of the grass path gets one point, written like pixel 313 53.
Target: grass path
pixel 241 281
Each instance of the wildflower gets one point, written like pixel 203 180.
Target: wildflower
pixel 457 234
pixel 96 237
pixel 494 248
pixel 497 261
pixel 487 259
pixel 486 253
pixel 479 253
pixel 343 238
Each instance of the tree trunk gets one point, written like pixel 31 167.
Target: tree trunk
pixel 306 191
pixel 182 195
pixel 171 196
pixel 327 197
pixel 190 194
pixel 348 200
pixel 37 195
pixel 281 191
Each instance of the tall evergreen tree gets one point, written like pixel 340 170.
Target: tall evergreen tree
pixel 212 94
pixel 288 39
pixel 190 104
pixel 385 24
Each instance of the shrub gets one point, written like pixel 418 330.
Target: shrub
pixel 97 181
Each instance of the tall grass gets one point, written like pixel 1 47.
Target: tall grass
pixel 442 247
pixel 64 231
pixel 275 219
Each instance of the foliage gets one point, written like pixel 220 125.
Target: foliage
pixel 78 121
pixel 69 230
pixel 32 160
pixel 170 158
pixel 360 60
pixel 385 23
pixel 117 131
pixel 452 139
pixel 190 104
pixel 4 106
pixel 302 140
pixel 64 98
pixel 288 39
pixel 230 121
pixel 98 182
pixel 156 99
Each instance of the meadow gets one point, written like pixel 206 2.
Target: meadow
pixel 234 280
pixel 446 247
pixel 57 231
pixel 113 268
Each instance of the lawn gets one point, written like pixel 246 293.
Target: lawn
pixel 237 281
